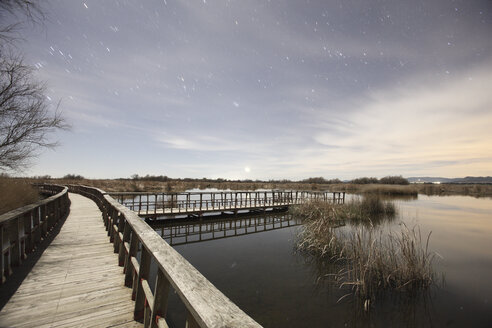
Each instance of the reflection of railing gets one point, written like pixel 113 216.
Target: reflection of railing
pixel 206 305
pixel 23 228
pixel 179 233
pixel 156 204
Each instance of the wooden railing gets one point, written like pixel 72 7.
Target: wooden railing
pixel 24 228
pixel 145 203
pixel 206 305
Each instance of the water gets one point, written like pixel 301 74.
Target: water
pixel 263 274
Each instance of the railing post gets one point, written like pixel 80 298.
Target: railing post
pixel 117 224
pixel 148 207
pixel 29 240
pixel 161 293
pixel 15 245
pixel 143 274
pixel 44 222
pixel 37 225
pixel 126 238
pixel 111 217
pixel 128 261
pixel 190 321
pixel 139 203
pixel 3 262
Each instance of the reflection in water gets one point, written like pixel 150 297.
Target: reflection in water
pixel 178 232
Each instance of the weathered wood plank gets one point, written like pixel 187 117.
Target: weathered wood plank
pixel 77 281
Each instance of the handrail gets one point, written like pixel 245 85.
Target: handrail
pixel 205 304
pixel 23 228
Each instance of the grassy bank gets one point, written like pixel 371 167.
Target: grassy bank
pixel 15 193
pixel 372 261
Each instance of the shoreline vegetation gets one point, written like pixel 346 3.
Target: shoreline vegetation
pixel 371 260
pixel 388 186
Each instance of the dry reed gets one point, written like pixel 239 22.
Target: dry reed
pixel 15 193
pixel 372 261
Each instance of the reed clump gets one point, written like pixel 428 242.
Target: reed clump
pixel 15 193
pixel 376 262
pixel 319 235
pixel 372 261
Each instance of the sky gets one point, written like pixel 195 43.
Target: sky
pixel 267 89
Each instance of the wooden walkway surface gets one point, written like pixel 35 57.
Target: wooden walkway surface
pixel 77 281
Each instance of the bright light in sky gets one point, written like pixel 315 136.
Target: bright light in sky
pixel 297 89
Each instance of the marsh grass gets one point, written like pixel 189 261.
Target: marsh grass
pixel 372 261
pixel 15 193
pixel 370 209
pixel 376 262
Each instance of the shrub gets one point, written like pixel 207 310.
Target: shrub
pixel 396 180
pixel 365 180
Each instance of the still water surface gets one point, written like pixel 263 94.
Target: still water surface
pixel 263 274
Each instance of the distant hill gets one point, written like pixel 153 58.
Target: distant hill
pixel 450 180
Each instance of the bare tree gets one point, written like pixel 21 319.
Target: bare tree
pixel 26 118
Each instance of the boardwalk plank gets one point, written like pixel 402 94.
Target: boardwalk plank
pixel 76 282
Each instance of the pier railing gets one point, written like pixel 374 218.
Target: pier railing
pixel 180 232
pixel 24 228
pixel 206 305
pixel 145 203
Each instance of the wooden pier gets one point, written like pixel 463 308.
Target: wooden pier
pixel 151 205
pixel 77 281
pixel 81 280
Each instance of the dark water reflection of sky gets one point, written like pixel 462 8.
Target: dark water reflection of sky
pixel 278 287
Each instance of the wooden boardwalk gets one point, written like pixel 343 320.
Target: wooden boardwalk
pixel 77 281
pixel 151 205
